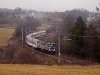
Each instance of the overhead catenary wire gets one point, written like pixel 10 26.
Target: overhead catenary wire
pixel 83 36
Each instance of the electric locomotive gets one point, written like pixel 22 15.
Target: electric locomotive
pixel 36 43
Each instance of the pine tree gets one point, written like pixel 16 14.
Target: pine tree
pixel 77 41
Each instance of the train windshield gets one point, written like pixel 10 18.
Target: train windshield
pixel 51 45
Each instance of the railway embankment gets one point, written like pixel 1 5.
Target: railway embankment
pixel 15 53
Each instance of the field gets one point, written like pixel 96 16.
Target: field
pixel 10 69
pixel 5 34
pixel 43 27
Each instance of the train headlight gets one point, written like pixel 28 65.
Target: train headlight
pixel 54 49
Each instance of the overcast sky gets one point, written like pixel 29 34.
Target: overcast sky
pixel 50 5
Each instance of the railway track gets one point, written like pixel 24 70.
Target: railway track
pixel 38 51
pixel 63 59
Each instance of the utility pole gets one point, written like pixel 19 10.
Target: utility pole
pixel 26 30
pixel 59 41
pixel 22 36
pixel 32 39
pixel 59 46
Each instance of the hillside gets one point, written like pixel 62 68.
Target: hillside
pixel 13 52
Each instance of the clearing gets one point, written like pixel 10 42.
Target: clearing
pixel 5 34
pixel 43 27
pixel 10 69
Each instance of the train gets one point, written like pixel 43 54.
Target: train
pixel 31 40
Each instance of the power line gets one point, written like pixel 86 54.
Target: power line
pixel 83 36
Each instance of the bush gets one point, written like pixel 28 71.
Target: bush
pixel 22 56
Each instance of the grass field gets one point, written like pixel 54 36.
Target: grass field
pixel 43 27
pixel 48 70
pixel 5 34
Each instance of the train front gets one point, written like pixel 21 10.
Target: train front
pixel 51 47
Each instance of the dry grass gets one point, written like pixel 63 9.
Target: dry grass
pixel 48 70
pixel 5 34
pixel 43 27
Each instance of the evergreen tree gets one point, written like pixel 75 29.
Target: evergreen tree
pixel 77 41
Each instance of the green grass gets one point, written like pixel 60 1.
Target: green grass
pixel 10 69
pixel 43 27
pixel 5 34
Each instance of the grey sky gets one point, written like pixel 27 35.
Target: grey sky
pixel 50 5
